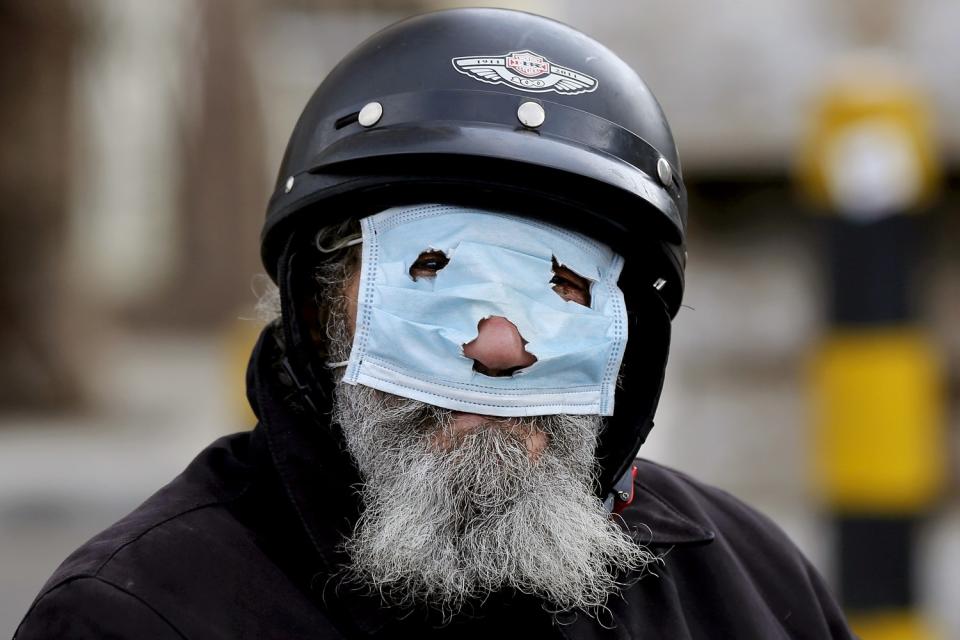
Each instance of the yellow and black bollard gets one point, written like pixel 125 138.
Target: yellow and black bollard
pixel 878 409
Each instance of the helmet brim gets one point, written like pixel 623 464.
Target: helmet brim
pixel 498 142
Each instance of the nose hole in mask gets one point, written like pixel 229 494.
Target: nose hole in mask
pixel 428 263
pixel 498 351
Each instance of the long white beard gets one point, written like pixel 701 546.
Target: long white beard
pixel 446 525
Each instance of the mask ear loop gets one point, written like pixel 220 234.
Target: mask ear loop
pixel 343 243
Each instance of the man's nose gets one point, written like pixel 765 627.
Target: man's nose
pixel 498 349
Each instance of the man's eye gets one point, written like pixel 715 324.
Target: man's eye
pixel 428 263
pixel 569 285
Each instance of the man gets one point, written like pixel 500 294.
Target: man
pixel 478 235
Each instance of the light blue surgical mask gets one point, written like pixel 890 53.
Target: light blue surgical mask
pixel 410 333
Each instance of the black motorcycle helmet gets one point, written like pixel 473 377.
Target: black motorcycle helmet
pixel 512 111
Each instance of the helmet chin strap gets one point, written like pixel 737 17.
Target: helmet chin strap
pixel 299 363
pixel 638 393
pixel 621 495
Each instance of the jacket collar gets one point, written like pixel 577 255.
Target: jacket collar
pixel 318 481
pixel 657 521
pixel 314 472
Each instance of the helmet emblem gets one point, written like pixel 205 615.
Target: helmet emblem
pixel 526 71
pixel 527 63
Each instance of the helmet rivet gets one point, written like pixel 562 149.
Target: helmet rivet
pixel 623 496
pixel 664 171
pixel 531 114
pixel 370 114
pixel 288 186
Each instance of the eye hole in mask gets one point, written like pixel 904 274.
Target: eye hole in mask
pixel 428 263
pixel 570 285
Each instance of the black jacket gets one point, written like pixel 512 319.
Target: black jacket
pixel 243 544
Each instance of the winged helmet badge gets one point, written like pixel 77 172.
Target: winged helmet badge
pixel 527 71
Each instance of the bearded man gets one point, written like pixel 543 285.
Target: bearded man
pixel 479 237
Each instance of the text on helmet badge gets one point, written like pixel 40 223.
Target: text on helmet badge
pixel 526 71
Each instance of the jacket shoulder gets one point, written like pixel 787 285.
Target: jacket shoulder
pixel 710 508
pixel 91 607
pixel 740 557
pixel 114 567
pixel 212 479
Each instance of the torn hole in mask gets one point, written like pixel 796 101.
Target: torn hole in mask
pixel 570 285
pixel 428 263
pixel 498 350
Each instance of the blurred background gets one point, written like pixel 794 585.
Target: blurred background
pixel 814 368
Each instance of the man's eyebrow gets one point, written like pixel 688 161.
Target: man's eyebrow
pixel 557 265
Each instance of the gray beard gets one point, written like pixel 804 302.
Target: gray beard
pixel 445 526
